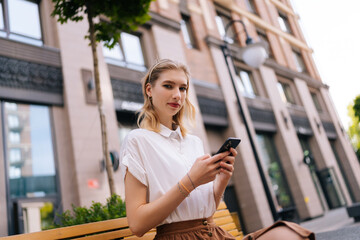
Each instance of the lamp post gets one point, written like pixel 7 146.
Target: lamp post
pixel 254 55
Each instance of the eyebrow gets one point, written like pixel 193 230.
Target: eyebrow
pixel 170 81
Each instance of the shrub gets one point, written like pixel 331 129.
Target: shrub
pixel 114 208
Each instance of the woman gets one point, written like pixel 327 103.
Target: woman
pixel 169 182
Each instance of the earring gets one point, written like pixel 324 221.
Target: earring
pixel 150 98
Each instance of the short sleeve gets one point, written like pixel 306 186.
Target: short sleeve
pixel 130 159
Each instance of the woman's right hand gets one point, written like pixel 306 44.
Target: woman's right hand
pixel 206 168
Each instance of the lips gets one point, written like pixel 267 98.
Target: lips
pixel 174 105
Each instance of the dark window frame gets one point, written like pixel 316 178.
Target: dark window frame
pixel 255 91
pixel 124 62
pixel 231 33
pixel 286 22
pixel 299 60
pixel 8 33
pixel 316 102
pixel 288 91
pixel 187 21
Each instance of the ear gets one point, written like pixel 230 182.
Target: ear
pixel 148 89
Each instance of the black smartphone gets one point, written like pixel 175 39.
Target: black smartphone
pixel 229 143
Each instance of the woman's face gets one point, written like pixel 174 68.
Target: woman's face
pixel 168 94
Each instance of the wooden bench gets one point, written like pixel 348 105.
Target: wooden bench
pixel 117 229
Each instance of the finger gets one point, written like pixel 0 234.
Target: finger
pixel 219 156
pixel 206 156
pixel 229 159
pixel 233 152
pixel 227 166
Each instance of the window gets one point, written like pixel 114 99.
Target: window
pixel 299 61
pixel 263 38
pixel 316 102
pixel 15 156
pixel 273 168
pixel 13 121
pixel 22 21
pixel 14 137
pixel 285 92
pixel 245 83
pixel 250 4
pixel 221 21
pixel 29 151
pixel 10 106
pixel 187 31
pixel 127 53
pixel 284 23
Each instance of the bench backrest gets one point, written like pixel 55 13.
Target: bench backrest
pixel 116 228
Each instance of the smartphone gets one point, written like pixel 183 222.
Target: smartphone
pixel 229 143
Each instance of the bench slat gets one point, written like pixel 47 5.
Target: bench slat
pixel 148 236
pixel 223 220
pixel 221 213
pixel 73 231
pixel 108 235
pixel 229 226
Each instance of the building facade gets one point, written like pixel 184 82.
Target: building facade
pixel 295 161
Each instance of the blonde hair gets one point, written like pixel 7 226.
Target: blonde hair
pixel 148 117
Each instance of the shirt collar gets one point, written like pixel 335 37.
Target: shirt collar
pixel 166 132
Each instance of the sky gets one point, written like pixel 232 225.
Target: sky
pixel 332 29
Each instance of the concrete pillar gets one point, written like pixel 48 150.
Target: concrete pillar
pixel 297 173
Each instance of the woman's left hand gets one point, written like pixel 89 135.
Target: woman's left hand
pixel 227 166
pixel 222 179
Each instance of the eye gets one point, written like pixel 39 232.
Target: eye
pixel 182 89
pixel 168 86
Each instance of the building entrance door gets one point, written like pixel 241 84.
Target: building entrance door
pixel 331 188
pixel 325 180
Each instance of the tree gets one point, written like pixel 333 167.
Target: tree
pixel 354 128
pixel 356 107
pixel 107 19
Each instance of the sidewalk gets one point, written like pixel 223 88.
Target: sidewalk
pixel 335 224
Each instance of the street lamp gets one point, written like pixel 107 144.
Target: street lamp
pixel 254 55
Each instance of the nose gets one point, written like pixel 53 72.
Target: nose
pixel 176 94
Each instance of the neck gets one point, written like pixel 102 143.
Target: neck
pixel 167 123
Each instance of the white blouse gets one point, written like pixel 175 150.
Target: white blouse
pixel 159 161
